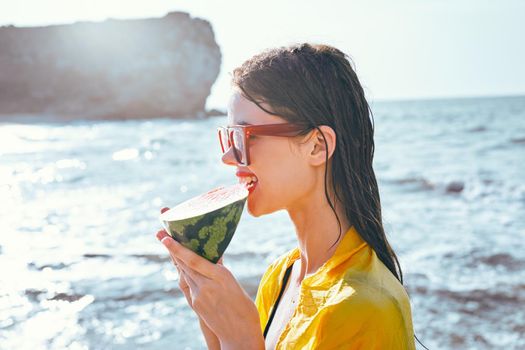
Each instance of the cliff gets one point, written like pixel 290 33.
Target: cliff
pixel 142 68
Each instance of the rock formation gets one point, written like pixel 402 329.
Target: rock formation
pixel 143 68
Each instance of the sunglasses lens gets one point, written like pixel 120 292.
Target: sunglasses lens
pixel 238 143
pixel 223 137
pixel 237 137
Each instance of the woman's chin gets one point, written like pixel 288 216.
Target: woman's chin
pixel 251 207
pixel 254 209
pixel 254 204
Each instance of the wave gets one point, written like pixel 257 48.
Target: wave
pixel 249 284
pixel 478 129
pixel 518 140
pixel 423 184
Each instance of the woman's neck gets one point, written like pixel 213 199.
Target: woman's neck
pixel 317 230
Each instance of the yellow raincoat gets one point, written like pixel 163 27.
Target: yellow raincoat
pixel 352 302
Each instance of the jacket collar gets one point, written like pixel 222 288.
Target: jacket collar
pixel 349 245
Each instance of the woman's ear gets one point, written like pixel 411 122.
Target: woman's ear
pixel 317 147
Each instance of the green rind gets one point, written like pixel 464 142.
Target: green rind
pixel 209 234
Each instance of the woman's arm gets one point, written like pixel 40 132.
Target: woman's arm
pixel 212 341
pixel 218 298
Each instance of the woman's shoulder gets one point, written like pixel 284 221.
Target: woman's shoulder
pixel 370 299
pixel 370 316
pixel 372 285
pixel 370 296
pixel 373 310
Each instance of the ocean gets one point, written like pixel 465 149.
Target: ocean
pixel 80 267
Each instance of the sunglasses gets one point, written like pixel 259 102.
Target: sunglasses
pixel 236 137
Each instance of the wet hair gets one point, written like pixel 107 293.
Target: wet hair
pixel 313 85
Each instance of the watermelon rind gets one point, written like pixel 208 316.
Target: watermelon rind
pixel 208 234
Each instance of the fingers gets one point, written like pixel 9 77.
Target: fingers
pixel 195 276
pixel 185 288
pixel 183 284
pixel 192 260
pixel 175 263
pixel 182 280
pixel 189 281
pixel 161 234
pixel 186 283
pixel 186 279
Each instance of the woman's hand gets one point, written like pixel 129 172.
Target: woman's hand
pixel 212 341
pixel 215 295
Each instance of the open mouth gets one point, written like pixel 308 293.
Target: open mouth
pixel 251 186
pixel 249 182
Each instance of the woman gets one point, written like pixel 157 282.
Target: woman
pixel 309 147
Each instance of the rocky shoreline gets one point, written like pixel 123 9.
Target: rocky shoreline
pixel 115 69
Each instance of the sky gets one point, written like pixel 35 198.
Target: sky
pixel 404 49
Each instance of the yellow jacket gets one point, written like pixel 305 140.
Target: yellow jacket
pixel 352 302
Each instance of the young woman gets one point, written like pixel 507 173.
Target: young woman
pixel 301 128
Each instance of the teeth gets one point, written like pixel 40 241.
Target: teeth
pixel 244 180
pixel 247 179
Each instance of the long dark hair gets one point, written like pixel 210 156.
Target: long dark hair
pixel 314 85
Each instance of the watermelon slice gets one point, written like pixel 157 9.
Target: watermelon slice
pixel 206 223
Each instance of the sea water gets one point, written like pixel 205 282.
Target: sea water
pixel 80 267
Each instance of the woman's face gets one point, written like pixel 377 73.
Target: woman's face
pixel 283 174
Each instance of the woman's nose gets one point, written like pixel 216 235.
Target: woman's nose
pixel 228 158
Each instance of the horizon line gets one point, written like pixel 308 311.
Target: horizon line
pixel 439 98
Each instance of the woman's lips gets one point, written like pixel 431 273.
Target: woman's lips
pixel 241 173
